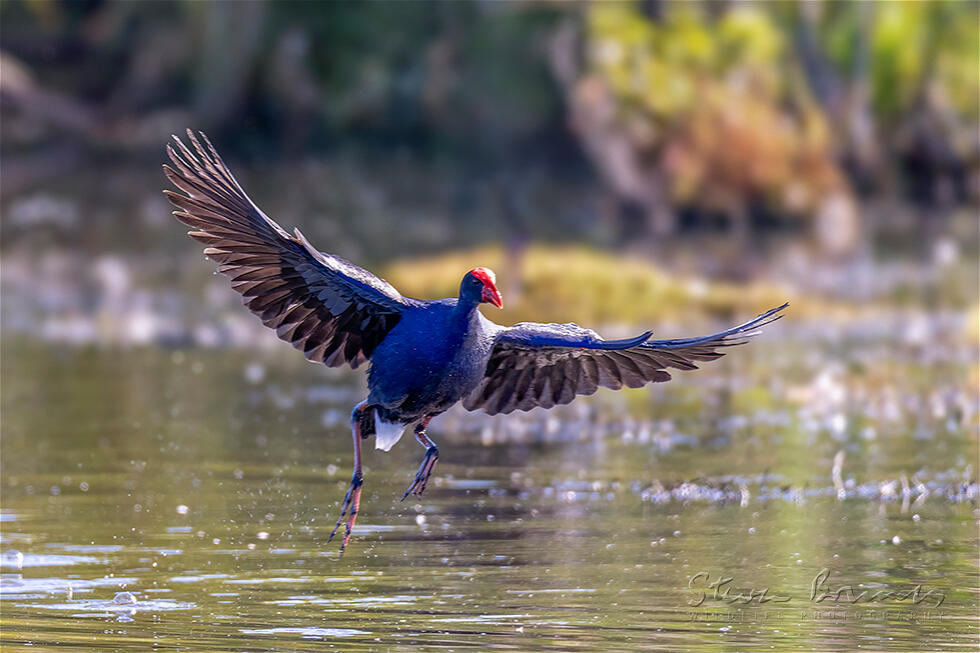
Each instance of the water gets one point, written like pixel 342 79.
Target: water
pixel 183 498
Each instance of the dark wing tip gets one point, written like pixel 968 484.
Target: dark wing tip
pixel 736 335
pixel 760 320
pixel 763 319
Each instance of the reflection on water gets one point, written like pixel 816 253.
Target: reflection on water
pixel 184 498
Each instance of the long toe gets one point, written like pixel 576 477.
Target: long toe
pixel 352 500
pixel 422 476
pixel 415 488
pixel 343 511
pixel 350 520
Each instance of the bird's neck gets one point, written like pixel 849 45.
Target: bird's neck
pixel 465 310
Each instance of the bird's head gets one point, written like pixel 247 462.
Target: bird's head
pixel 480 285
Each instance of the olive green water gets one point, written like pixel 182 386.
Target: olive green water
pixel 182 500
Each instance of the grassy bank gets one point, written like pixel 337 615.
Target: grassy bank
pixel 570 283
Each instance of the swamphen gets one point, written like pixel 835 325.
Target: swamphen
pixel 425 355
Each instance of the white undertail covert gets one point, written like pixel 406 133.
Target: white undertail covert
pixel 387 434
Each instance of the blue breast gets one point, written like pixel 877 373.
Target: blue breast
pixel 428 361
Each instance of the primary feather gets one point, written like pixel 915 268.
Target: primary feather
pixel 330 309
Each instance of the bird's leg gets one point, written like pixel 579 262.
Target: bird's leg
pixel 353 497
pixel 428 462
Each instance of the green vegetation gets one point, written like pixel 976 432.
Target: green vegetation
pixel 586 286
pixel 750 114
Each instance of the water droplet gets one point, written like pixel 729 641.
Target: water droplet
pixel 12 558
pixel 124 597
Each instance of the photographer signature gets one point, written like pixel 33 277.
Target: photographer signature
pixel 722 589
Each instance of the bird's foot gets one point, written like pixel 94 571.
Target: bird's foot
pixel 425 470
pixel 351 500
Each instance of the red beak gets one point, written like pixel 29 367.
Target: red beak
pixel 492 295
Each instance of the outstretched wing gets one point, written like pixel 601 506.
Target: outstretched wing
pixel 549 364
pixel 328 308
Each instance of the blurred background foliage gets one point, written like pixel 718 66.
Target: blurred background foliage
pixel 767 139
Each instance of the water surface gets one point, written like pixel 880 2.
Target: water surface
pixel 183 499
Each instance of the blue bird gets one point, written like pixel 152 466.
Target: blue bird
pixel 425 356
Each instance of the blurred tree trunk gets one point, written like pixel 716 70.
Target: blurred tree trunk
pixel 846 103
pixel 231 36
pixel 638 189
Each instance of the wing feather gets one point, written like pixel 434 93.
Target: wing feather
pixel 590 376
pixel 544 365
pixel 328 308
